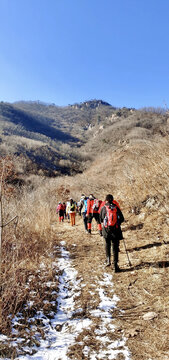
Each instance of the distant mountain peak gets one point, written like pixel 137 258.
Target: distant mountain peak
pixel 91 104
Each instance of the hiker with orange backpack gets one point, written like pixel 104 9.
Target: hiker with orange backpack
pixel 93 205
pixel 111 217
pixel 60 211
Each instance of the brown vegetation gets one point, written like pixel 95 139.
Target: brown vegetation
pixel 136 172
pixel 64 140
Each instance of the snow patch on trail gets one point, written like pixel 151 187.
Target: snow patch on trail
pixel 63 329
pixel 106 327
pixel 67 323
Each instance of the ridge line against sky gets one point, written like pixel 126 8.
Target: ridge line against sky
pixel 65 52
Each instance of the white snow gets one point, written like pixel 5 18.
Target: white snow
pixel 61 331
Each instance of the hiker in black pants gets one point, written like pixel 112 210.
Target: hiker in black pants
pixel 93 206
pixel 84 211
pixel 112 217
pixel 81 203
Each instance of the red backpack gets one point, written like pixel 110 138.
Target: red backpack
pixel 60 207
pixel 111 216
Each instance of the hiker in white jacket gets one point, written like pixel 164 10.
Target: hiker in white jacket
pixel 71 211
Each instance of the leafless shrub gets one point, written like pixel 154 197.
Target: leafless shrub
pixel 155 110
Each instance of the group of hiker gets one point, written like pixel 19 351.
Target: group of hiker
pixel 108 216
pixel 67 211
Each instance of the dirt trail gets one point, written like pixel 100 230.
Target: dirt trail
pixel 89 312
pixel 96 300
pixel 142 291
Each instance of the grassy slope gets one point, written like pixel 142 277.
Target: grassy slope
pixel 56 132
pixel 136 172
pixel 60 140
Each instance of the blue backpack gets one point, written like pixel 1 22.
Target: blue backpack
pixel 85 206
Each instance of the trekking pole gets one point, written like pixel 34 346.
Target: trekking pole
pixel 127 253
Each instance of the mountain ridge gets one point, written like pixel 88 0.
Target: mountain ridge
pixel 64 138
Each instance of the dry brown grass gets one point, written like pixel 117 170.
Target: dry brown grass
pixel 24 248
pixel 137 175
pixel 142 289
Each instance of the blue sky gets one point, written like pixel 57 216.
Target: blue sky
pixel 67 51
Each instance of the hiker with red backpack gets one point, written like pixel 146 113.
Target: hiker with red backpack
pixel 111 217
pixel 60 211
pixel 93 206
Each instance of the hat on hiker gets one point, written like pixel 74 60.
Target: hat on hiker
pixel 91 196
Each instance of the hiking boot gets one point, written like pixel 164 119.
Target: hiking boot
pixel 116 269
pixel 108 262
